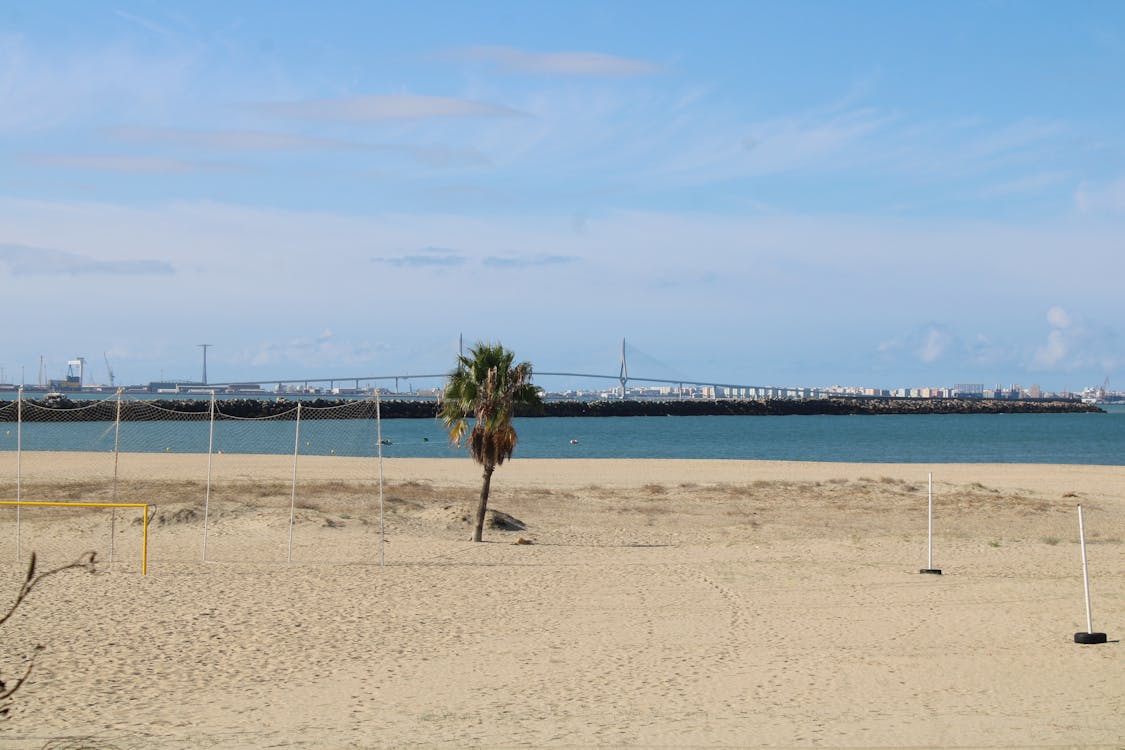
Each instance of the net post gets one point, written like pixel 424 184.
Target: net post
pixel 144 542
pixel 293 493
pixel 930 529
pixel 113 491
pixel 1085 571
pixel 379 450
pixel 207 493
pixel 19 465
pixel 930 522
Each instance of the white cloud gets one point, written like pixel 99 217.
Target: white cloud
pixel 1073 344
pixel 934 345
pixel 926 344
pixel 1054 353
pixel 1058 317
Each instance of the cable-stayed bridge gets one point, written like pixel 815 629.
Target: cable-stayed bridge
pixel 672 386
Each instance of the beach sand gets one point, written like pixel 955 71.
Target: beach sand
pixel 660 603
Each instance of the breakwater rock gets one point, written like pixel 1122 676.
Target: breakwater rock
pixel 66 410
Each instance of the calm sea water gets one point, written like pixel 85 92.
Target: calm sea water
pixel 952 438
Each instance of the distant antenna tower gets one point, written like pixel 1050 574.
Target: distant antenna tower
pixel 205 347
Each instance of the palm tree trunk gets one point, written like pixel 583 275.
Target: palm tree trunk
pixel 482 506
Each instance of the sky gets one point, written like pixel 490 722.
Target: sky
pixel 879 194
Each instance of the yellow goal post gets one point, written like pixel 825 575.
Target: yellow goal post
pixel 59 504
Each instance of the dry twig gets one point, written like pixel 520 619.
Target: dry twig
pixel 31 580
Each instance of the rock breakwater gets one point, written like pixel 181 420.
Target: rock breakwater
pixel 66 410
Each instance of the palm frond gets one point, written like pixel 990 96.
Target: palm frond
pixel 486 386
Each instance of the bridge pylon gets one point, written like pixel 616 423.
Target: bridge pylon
pixel 623 376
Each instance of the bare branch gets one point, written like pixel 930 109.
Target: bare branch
pixel 86 562
pixel 31 580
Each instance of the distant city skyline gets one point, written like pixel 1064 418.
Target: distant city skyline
pixel 876 194
pixel 643 383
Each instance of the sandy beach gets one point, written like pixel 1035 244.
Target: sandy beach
pixel 657 603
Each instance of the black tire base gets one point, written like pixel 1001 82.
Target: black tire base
pixel 1089 638
pixel 934 571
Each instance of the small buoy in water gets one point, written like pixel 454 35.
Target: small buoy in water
pixel 167 449
pixel 573 442
pixel 333 451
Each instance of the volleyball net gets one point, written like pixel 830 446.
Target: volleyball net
pixel 210 468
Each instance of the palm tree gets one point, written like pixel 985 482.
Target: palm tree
pixel 487 386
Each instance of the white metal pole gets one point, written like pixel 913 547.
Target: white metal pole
pixel 930 525
pixel 293 496
pixel 19 467
pixel 207 495
pixel 1085 572
pixel 379 441
pixel 113 497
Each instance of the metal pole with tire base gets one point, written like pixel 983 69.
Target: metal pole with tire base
pixel 930 569
pixel 1089 636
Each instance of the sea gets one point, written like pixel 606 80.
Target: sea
pixel 915 438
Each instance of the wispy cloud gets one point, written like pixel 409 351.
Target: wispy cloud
pixel 389 107
pixel 144 23
pixel 1095 198
pixel 427 257
pixel 154 165
pixel 31 261
pixel 531 261
pixel 1028 184
pixel 251 141
pixel 310 351
pixel 227 140
pixel 558 63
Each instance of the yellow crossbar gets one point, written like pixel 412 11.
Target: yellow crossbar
pixel 58 504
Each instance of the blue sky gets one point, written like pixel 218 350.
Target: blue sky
pixel 799 193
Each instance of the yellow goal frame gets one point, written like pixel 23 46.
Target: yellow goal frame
pixel 57 504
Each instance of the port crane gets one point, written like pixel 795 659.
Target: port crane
pixel 108 369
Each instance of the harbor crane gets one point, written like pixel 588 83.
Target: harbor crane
pixel 108 368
